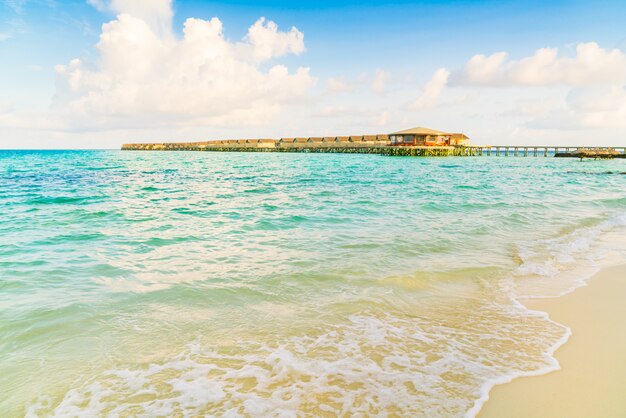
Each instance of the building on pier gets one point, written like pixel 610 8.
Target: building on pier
pixel 416 137
pixel 419 137
pixel 427 137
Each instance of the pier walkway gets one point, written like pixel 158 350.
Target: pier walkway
pixel 384 149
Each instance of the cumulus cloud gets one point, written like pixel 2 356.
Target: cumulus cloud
pixel 4 36
pixel 157 14
pixel 431 91
pixel 265 41
pixel 581 90
pixel 379 82
pixel 590 65
pixel 142 73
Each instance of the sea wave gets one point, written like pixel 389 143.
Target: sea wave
pixel 284 284
pixel 556 266
pixel 441 360
pixel 369 366
pixel 552 268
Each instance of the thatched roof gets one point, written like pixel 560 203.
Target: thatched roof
pixel 286 139
pixel 419 131
pixel 329 138
pixel 342 139
pixel 369 137
pixel 315 139
pixel 301 140
pixel 382 137
pixel 356 138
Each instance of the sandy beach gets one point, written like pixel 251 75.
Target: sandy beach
pixel 592 379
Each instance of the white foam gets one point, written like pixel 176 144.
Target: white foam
pixel 367 366
pixel 440 362
pixel 573 258
pixel 557 266
pixel 552 364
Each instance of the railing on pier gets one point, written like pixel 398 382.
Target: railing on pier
pixel 545 151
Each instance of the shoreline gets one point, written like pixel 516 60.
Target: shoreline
pixel 590 373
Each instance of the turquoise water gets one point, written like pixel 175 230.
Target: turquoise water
pixel 262 284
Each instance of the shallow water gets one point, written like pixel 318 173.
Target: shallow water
pixel 264 284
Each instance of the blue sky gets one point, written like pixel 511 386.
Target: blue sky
pixel 368 62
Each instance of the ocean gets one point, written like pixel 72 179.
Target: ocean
pixel 280 284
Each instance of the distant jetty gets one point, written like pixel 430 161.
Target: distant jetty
pixel 421 142
pixel 595 153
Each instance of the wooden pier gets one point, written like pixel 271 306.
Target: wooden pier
pixel 382 148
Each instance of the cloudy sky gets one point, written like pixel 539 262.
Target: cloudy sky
pixel 98 73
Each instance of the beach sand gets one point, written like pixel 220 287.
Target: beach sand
pixel 592 379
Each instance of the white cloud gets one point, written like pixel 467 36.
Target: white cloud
pixel 338 85
pixel 4 36
pixel 582 90
pixel 143 75
pixel 533 108
pixel 431 91
pixel 267 42
pixel 597 107
pixel 157 14
pixel 590 65
pixel 380 79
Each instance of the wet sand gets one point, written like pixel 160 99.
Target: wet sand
pixel 592 379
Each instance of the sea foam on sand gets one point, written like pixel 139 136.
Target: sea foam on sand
pixel 591 373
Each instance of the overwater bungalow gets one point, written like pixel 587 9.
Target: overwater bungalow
pixel 415 138
pixel 420 136
pixel 266 143
pixel 286 142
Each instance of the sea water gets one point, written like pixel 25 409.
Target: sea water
pixel 280 285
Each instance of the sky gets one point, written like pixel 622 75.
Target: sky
pixel 99 73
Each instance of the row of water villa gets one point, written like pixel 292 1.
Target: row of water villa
pixel 436 142
pixel 423 142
